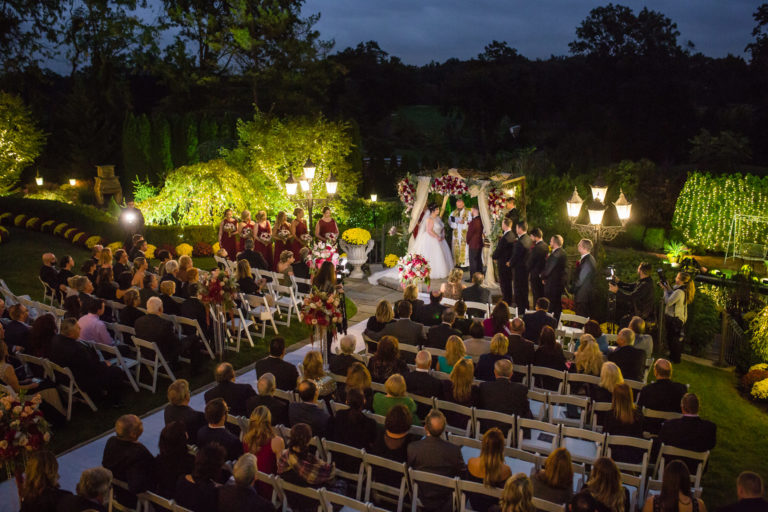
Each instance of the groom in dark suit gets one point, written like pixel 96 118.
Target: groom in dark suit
pixel 553 275
pixel 583 289
pixel 502 254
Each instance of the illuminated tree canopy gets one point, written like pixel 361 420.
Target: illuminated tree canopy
pixel 20 140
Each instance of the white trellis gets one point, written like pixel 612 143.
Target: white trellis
pixel 740 245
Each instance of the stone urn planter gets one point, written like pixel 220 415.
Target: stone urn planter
pixel 357 255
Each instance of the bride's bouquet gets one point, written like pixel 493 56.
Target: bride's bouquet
pixel 413 269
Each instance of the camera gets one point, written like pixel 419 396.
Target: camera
pixel 662 277
pixel 610 273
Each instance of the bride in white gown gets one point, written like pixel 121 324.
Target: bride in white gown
pixel 431 244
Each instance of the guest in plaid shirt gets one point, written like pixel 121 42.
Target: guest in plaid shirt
pixel 298 461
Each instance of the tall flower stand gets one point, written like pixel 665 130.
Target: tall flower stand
pixel 324 338
pixel 219 330
pixel 357 255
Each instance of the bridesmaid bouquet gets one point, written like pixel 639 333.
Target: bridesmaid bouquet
pixel 246 232
pixel 449 186
pixel 322 252
pixel 306 239
pixel 283 235
pixel 265 238
pixel 413 269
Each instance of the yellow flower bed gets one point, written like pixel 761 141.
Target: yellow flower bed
pixel 184 250
pixel 115 246
pixel 20 220
pixel 150 252
pixel 68 234
pixel 216 247
pixel 30 224
pixel 4 234
pixel 78 237
pixel 47 224
pixel 356 236
pixel 391 260
pixel 92 240
pixel 6 217
pixel 760 390
pixel 59 229
pixel 758 366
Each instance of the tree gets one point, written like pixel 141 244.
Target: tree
pixel 758 50
pixel 720 152
pixel 498 52
pixel 20 140
pixel 615 31
pixel 26 29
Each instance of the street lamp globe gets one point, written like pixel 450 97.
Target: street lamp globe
pixel 574 204
pixel 623 207
pixel 291 185
pixel 599 189
pixel 309 169
pixel 331 185
pixel 304 185
pixel 596 211
pixel 374 198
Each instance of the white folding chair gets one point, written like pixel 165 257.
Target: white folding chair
pixel 521 461
pixel 113 504
pixel 597 409
pixel 28 360
pixel 537 401
pixel 539 374
pixel 478 306
pixel 259 310
pixel 548 506
pixel 49 294
pixel 485 419
pixel 543 437
pixel 332 448
pixel 464 487
pixel 640 469
pixel 148 354
pixel 576 381
pixel 288 396
pixel 375 464
pixel 668 453
pixel 570 332
pixel 113 356
pixel 306 284
pixel 468 412
pixel 285 298
pixel 194 324
pixel 584 445
pixel 241 325
pixel 65 381
pixel 331 498
pixel 558 409
pixel 285 489
pixel 636 387
pixel 448 302
pixel 653 414
pixel 149 502
pixel 425 478
pixel 653 487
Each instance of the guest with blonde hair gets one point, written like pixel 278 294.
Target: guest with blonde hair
pixel 263 441
pixel 517 495
pixel 41 491
pixel 396 395
pixel 453 286
pixel 454 352
pixel 603 489
pixel 610 377
pixel 312 369
pixel 499 348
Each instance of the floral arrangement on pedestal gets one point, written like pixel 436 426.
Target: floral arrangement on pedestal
pixel 322 310
pixel 406 190
pixel 449 186
pixel 220 289
pixel 413 269
pixel 356 236
pixel 23 430
pixel 496 202
pixel 322 252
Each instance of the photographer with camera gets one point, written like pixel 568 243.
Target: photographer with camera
pixel 636 298
pixel 676 300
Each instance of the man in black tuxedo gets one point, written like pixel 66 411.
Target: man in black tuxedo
pixel 242 494
pixel 437 335
pixel 338 364
pixel 630 360
pixel 504 396
pixel 266 397
pixel 138 249
pixel 749 489
pixel 431 313
pixel 420 382
pixel 236 395
pixel 476 292
pixel 48 273
pixel 502 254
pixel 520 349
pixel 435 455
pixel 285 373
pixel 255 258
pixel 689 432
pixel 462 322
pixel 151 327
pixel 535 321
pixel 121 263
pixel 216 431
pixel 635 299
pixel 95 377
pixel 537 258
pixel 584 286
pixel 149 290
pixel 178 409
pixel 518 262
pixel 308 410
pixel 194 309
pixel 129 460
pixel 553 276
pixel 404 329
pixel 66 264
pixel 662 395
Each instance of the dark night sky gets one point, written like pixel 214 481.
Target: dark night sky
pixel 419 31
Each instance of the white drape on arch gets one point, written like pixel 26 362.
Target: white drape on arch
pixel 419 203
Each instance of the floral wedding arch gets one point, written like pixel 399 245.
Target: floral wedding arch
pixel 491 194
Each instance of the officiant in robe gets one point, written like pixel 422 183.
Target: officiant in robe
pixel 459 222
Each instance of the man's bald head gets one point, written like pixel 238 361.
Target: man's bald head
pixel 266 384
pixel 128 427
pixel 434 423
pixel 626 337
pixel 503 369
pixel 662 369
pixel 49 258
pixel 423 360
pixel 518 326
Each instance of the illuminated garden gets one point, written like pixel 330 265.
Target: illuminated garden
pixel 264 190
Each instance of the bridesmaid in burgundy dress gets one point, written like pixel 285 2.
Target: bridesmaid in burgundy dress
pixel 281 233
pixel 299 231
pixel 264 237
pixel 246 229
pixel 325 226
pixel 228 234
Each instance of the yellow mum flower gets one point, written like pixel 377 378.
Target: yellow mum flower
pixel 59 229
pixel 760 390
pixel 391 260
pixel 356 236
pixel 93 240
pixel 184 250
pixel 115 246
pixel 150 252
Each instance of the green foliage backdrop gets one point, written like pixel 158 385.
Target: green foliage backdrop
pixel 708 203
pixel 20 140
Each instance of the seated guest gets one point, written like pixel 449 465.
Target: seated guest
pixel 489 468
pixel 121 262
pixel 254 258
pixel 476 292
pixel 123 285
pixel 299 465
pixel 138 250
pixel 521 350
pixel 396 395
pixel 17 330
pixel 749 489
pixel 676 494
pixel 234 394
pixel 432 313
pixel 178 409
pixel 129 460
pixel 84 287
pixel 603 490
pixel 300 269
pixel 308 410
pixel 191 277
pixel 516 496
pixel 91 326
pixel 499 348
pixel 588 360
pixel 131 312
pixel 151 327
pixel 246 283
pixel 52 408
pixel 41 492
pixel 624 420
pixel 92 492
pixel 404 329
pixel 48 273
pixel 476 344
pixel 164 256
pixel 643 341
pixel 194 309
pixel 106 287
pixel 384 315
pixel 171 270
pixel 689 432
pixel 661 395
pixel 241 494
pixel 199 490
pixel 266 397
pixel 452 287
pixel 610 377
pixel 66 264
pixel 285 261
pixel 554 482
pixel 173 460
pixel 593 328
pixel 550 355
pixel 92 375
pixel 420 382
pixel 105 258
pixel 353 428
pixel 358 377
pixel 454 352
pixel 149 289
pixel 88 269
pixel 630 360
pixel 262 440
pixel 40 335
pixel 140 271
pixel 71 307
pixel 499 320
pixel 410 295
pixel 167 291
pixel 392 443
pixel 215 432
pixel 386 361
pixel 185 265
pixel 460 390
pixel 339 363
pixel 285 373
pixel 312 367
pixel 504 396
pixel 536 320
pixel 435 455
pixel 438 334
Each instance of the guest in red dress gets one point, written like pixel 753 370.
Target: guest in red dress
pixel 263 234
pixel 281 233
pixel 326 225
pixel 299 231
pixel 245 229
pixel 228 234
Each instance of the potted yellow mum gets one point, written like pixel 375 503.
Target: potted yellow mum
pixel 357 243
